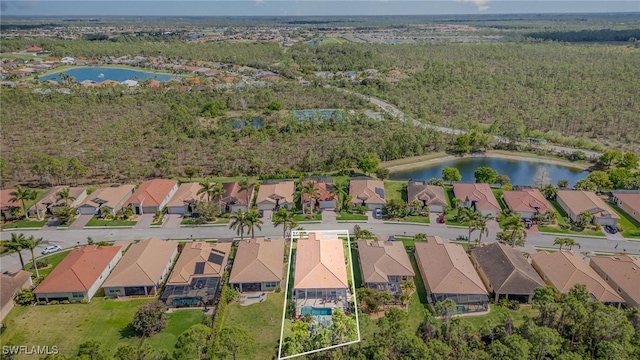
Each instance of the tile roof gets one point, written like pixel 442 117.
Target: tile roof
pixel 624 270
pixel 187 193
pixel 213 256
pixel 5 195
pixel 581 201
pixel 320 263
pixel 421 191
pixel 369 191
pixel 381 259
pixel 258 260
pixel 481 193
pixel 529 200
pixel 447 268
pixel 152 192
pixel 564 269
pixel 324 190
pixel 632 200
pixel 234 196
pixel 110 196
pixel 283 190
pixel 10 284
pixel 507 269
pixel 142 264
pixel 79 270
pixel 50 198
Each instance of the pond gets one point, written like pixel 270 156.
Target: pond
pixel 521 172
pixel 100 74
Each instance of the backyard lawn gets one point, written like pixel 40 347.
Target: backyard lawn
pixel 497 313
pixel 395 190
pixel 102 222
pixel 630 226
pixel 67 326
pixel 20 224
pixel 263 321
pixel 53 260
pixel 177 322
pixel 351 217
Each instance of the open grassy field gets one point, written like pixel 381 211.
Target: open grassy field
pixel 67 326
pixel 177 323
pixel 263 321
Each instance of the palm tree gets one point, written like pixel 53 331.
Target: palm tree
pixel 515 229
pixel 218 192
pixel 481 225
pixel 340 191
pixel 470 216
pixel 246 185
pixel 64 195
pixel 312 193
pixel 560 242
pixel 408 286
pixel 253 221
pixel 22 195
pixel 16 244
pixel 549 191
pixel 206 188
pixel 284 217
pixel 239 222
pixel 571 243
pixel 31 243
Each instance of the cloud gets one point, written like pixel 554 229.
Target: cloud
pixel 259 2
pixel 483 5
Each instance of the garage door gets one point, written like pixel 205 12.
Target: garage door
pixel 87 210
pixel 177 210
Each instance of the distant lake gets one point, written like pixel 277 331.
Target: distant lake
pixel 521 172
pixel 100 74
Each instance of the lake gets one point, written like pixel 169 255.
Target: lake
pixel 521 172
pixel 100 74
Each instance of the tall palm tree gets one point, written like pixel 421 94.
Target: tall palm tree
pixel 253 221
pixel 340 191
pixel 470 216
pixel 22 195
pixel 31 243
pixel 16 244
pixel 64 195
pixel 216 193
pixel 284 217
pixel 481 225
pixel 246 185
pixel 206 188
pixel 571 243
pixel 239 222
pixel 311 191
pixel 515 229
pixel 561 242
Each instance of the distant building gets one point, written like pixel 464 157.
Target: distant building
pixel 67 60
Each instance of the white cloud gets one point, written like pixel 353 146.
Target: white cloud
pixel 483 5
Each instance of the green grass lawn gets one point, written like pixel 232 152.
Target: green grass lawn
pixel 307 217
pixel 421 290
pixel 630 226
pixel 497 313
pixel 498 194
pixel 416 219
pixel 557 230
pixel 177 323
pixel 395 190
pixel 53 260
pixel 101 222
pixel 357 275
pixel 263 321
pixel 25 224
pixel 67 326
pixel 346 216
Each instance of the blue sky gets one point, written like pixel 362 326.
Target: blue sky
pixel 306 7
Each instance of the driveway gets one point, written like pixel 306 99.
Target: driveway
pixel 433 220
pixel 80 222
pixel 617 236
pixel 266 217
pixel 371 219
pixel 145 221
pixel 172 221
pixel 328 217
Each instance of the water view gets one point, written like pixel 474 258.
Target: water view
pixel 521 172
pixel 100 74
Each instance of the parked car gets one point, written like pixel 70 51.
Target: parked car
pixel 51 249
pixel 260 214
pixel 441 219
pixel 377 213
pixel 392 238
pixel 611 229
pixel 528 223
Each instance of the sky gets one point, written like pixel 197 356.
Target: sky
pixel 305 7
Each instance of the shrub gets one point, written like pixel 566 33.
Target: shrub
pixel 25 297
pixel 514 305
pixel 42 303
pixel 72 301
pixel 84 301
pixel 620 228
pixel 53 302
pixel 598 227
pixel 150 318
pixel 278 289
pixel 564 226
pixel 66 302
pixel 42 263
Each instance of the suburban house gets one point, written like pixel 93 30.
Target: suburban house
pixel 367 192
pixel 326 199
pixel 235 198
pixel 142 269
pixel 564 269
pixel 197 275
pixel 49 201
pixel 448 273
pixel 111 198
pixel 427 195
pixel 10 284
pixel 272 196
pixel 622 272
pixel 152 196
pixel 527 202
pixel 505 271
pixel 80 274
pixel 185 199
pixel 628 201
pixel 477 196
pixel 384 265
pixel 575 202
pixel 258 265
pixel 320 276
pixel 5 204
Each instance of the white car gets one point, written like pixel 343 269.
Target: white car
pixel 51 249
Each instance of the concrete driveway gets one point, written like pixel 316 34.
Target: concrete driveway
pixel 80 222
pixel 371 219
pixel 145 221
pixel 173 221
pixel 328 217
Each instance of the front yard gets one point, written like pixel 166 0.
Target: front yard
pixel 53 260
pixel 95 221
pixel 344 216
pixel 307 217
pixel 562 219
pixel 414 219
pixel 25 224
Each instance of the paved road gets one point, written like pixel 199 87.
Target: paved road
pixel 70 238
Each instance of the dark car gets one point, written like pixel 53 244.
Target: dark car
pixel 611 229
pixel 528 223
pixel 392 238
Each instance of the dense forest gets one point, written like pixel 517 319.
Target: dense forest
pixel 602 35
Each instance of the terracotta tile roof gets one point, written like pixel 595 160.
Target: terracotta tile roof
pixel 528 200
pixel 10 284
pixel 447 268
pixel 258 260
pixel 481 193
pixel 283 190
pixel 581 201
pixel 5 195
pixel 212 256
pixel 564 269
pixel 381 259
pixel 142 264
pixel 369 191
pixel 421 191
pixel 507 269
pixel 79 270
pixel 624 270
pixel 50 198
pixel 630 199
pixel 324 189
pixel 152 192
pixel 187 193
pixel 320 263
pixel 34 49
pixel 110 196
pixel 234 196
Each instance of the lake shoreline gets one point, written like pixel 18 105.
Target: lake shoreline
pixel 489 154
pixel 64 68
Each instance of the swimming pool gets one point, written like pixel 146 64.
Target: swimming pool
pixel 315 311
